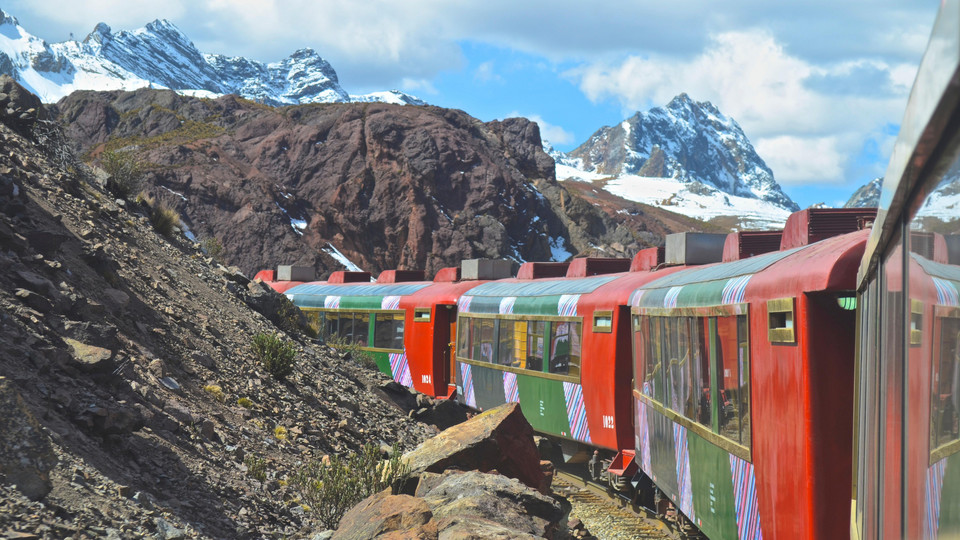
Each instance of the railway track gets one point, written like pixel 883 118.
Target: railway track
pixel 609 516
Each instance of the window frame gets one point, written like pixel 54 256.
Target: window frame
pixel 371 329
pixel 786 335
pixel 641 314
pixel 599 314
pixel 421 314
pixel 463 318
pixel 940 312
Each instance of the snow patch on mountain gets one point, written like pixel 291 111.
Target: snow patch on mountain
pixel 159 55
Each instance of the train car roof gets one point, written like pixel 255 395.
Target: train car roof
pixel 805 268
pixel 353 295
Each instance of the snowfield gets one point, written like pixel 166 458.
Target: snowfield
pixel 691 199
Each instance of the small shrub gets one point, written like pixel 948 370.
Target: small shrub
pixel 256 467
pixel 333 486
pixel 164 220
pixel 215 391
pixel 280 433
pixel 125 172
pixel 212 247
pixel 277 356
pixel 246 403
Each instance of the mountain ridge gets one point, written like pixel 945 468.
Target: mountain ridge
pixel 160 55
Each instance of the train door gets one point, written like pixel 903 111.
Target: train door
pixel 445 332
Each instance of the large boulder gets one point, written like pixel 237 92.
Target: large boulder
pixel 476 505
pixel 26 454
pixel 458 505
pixel 500 439
pixel 385 515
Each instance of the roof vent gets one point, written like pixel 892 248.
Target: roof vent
pixel 647 259
pixel 694 248
pixel 474 269
pixel 343 276
pixel 266 275
pixel 400 276
pixel 450 274
pixel 746 244
pixel 931 246
pixel 537 270
pixel 815 224
pixel 595 266
pixel 286 272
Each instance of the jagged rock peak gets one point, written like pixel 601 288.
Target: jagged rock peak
pixel 868 195
pixel 691 141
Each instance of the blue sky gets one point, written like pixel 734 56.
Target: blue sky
pixel 819 88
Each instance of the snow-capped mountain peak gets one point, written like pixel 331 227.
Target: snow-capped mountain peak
pixel 161 55
pixel 687 140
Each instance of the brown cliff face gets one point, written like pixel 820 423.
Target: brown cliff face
pixel 388 186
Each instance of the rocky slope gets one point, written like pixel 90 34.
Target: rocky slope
pixel 113 338
pixel 387 186
pixel 160 55
pixel 689 140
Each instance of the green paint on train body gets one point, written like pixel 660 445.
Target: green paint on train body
pixel 712 485
pixel 382 359
pixel 541 400
pixel 544 405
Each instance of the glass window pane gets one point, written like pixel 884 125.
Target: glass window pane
pixel 332 325
pixel 520 344
pixel 465 343
pixel 743 395
pixel 346 326
pixel 505 352
pixel 397 332
pixel 560 348
pixel 383 330
pixel 575 343
pixel 946 384
pixel 361 329
pixel 700 364
pixel 536 344
pixel 484 345
pixel 728 377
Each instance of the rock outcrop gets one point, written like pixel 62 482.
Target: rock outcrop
pixel 384 186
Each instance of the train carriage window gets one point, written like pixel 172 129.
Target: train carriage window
pixel 421 315
pixel 655 366
pixel 346 326
pixel 506 345
pixel 780 326
pixel 465 336
pixel 332 322
pixel 398 331
pixel 565 348
pixel 945 398
pixel 743 393
pixel 536 344
pixel 519 344
pixel 701 399
pixel 603 321
pixel 361 329
pixel 384 329
pixel 483 344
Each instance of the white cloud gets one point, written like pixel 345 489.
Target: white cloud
pixel 550 132
pixel 797 127
pixel 797 160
